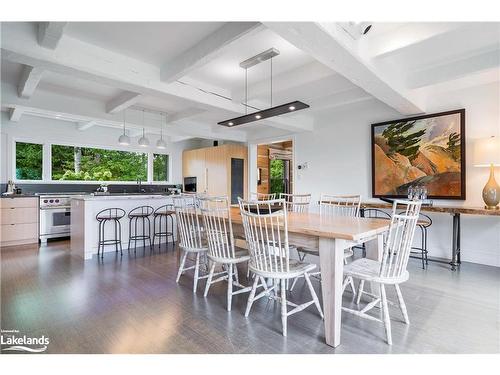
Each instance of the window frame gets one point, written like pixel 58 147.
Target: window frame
pixel 47 163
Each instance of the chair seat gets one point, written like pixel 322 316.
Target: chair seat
pixel 296 268
pixel 369 270
pixel 423 223
pixel 163 213
pixel 108 217
pixel 310 251
pixel 240 256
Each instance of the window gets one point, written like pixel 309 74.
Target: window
pixel 29 161
pixel 160 167
pixel 94 164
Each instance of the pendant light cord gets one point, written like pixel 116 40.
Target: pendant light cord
pixel 161 127
pixel 271 82
pixel 246 91
pixel 124 121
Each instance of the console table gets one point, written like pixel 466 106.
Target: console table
pixel 455 212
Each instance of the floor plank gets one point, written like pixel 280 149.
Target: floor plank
pixel 131 304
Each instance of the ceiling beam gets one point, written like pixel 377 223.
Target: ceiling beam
pixel 206 50
pixel 50 33
pixel 122 101
pixel 332 46
pixel 54 105
pixel 82 126
pixel 82 60
pixel 30 78
pixel 16 113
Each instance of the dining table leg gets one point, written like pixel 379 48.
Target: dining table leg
pixel 331 256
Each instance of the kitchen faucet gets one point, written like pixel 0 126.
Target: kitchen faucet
pixel 139 183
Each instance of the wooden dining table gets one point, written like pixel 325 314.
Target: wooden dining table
pixel 331 235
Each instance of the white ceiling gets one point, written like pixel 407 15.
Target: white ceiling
pixel 320 64
pixel 151 42
pixel 225 71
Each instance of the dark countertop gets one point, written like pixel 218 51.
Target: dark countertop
pixel 19 196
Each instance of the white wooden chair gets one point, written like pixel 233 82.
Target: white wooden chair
pixel 262 196
pixel 334 205
pixel 191 238
pixel 221 245
pixel 296 202
pixel 391 270
pixel 266 234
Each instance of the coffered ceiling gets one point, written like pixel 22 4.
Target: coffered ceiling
pixel 91 72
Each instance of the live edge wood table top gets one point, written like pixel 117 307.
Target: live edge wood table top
pixel 443 209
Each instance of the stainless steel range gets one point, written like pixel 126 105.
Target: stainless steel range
pixel 55 215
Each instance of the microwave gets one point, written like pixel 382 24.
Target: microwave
pixel 190 184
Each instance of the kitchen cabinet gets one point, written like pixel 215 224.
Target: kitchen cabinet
pixel 19 220
pixel 219 170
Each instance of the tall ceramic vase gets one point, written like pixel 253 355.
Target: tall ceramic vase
pixel 491 191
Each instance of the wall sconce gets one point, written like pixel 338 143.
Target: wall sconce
pixel 259 180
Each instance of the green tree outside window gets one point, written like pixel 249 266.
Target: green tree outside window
pixel 93 164
pixel 160 167
pixel 29 161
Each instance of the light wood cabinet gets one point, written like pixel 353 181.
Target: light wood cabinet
pixel 213 166
pixel 18 221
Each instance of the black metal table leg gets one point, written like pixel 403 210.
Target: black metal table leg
pixel 455 245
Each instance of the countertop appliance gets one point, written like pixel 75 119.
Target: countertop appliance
pixel 190 184
pixel 55 215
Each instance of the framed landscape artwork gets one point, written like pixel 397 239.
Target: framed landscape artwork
pixel 425 151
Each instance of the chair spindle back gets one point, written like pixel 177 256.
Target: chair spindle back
pixel 340 205
pixel 218 228
pixel 266 234
pixel 399 239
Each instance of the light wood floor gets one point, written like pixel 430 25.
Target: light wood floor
pixel 133 305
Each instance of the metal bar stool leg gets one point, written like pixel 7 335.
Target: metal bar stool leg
pixel 99 241
pixel 149 233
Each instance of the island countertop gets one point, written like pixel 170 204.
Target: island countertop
pixel 124 196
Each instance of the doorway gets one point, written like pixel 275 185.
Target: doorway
pixel 275 168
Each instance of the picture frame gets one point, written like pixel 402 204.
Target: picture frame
pixel 426 150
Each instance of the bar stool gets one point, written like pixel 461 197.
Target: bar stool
pixel 423 223
pixel 163 214
pixel 142 214
pixel 110 214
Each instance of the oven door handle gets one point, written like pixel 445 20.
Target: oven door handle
pixel 56 208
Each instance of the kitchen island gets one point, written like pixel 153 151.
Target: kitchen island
pixel 85 228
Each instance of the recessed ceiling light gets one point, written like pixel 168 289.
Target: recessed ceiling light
pixel 257 117
pixel 291 108
pixel 230 123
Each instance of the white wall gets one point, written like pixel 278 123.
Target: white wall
pixel 339 161
pixel 44 130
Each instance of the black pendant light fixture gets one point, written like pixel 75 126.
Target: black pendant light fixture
pixel 264 113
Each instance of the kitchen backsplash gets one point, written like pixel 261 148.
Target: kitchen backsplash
pixel 88 188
